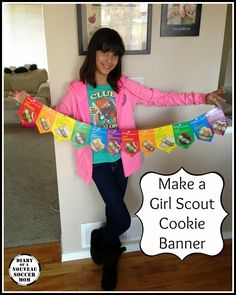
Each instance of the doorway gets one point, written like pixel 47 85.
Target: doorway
pixel 31 206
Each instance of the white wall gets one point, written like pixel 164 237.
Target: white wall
pixel 183 64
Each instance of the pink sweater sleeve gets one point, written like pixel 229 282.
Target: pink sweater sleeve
pixel 64 106
pixel 149 96
pixel 69 104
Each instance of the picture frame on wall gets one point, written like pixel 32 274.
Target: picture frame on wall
pixel 180 19
pixel 131 21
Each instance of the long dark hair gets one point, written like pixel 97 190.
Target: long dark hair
pixel 104 39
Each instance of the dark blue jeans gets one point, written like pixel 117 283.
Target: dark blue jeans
pixel 111 183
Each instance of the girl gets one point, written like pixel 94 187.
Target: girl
pixel 106 98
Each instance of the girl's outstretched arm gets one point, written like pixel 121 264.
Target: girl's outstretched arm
pixel 18 95
pixel 154 96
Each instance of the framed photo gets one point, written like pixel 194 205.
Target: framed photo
pixel 180 19
pixel 131 21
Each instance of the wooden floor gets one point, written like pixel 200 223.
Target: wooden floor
pixel 137 271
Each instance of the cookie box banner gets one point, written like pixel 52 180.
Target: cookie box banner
pixel 165 138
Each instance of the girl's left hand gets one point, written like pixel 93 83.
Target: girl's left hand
pixel 214 98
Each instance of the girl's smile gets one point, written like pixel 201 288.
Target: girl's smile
pixel 105 63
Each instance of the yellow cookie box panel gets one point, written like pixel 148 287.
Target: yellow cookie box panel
pixel 63 127
pixel 165 138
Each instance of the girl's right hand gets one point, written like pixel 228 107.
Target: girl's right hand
pixel 18 95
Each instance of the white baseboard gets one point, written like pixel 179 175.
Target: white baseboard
pixel 75 256
pixel 86 253
pixel 129 248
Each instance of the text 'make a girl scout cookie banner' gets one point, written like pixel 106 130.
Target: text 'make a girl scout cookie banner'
pixel 165 138
pixel 181 213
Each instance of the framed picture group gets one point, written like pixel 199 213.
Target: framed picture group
pixel 134 23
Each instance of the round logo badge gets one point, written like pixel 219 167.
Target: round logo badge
pixel 24 269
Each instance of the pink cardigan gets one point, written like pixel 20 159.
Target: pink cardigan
pixel 75 104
